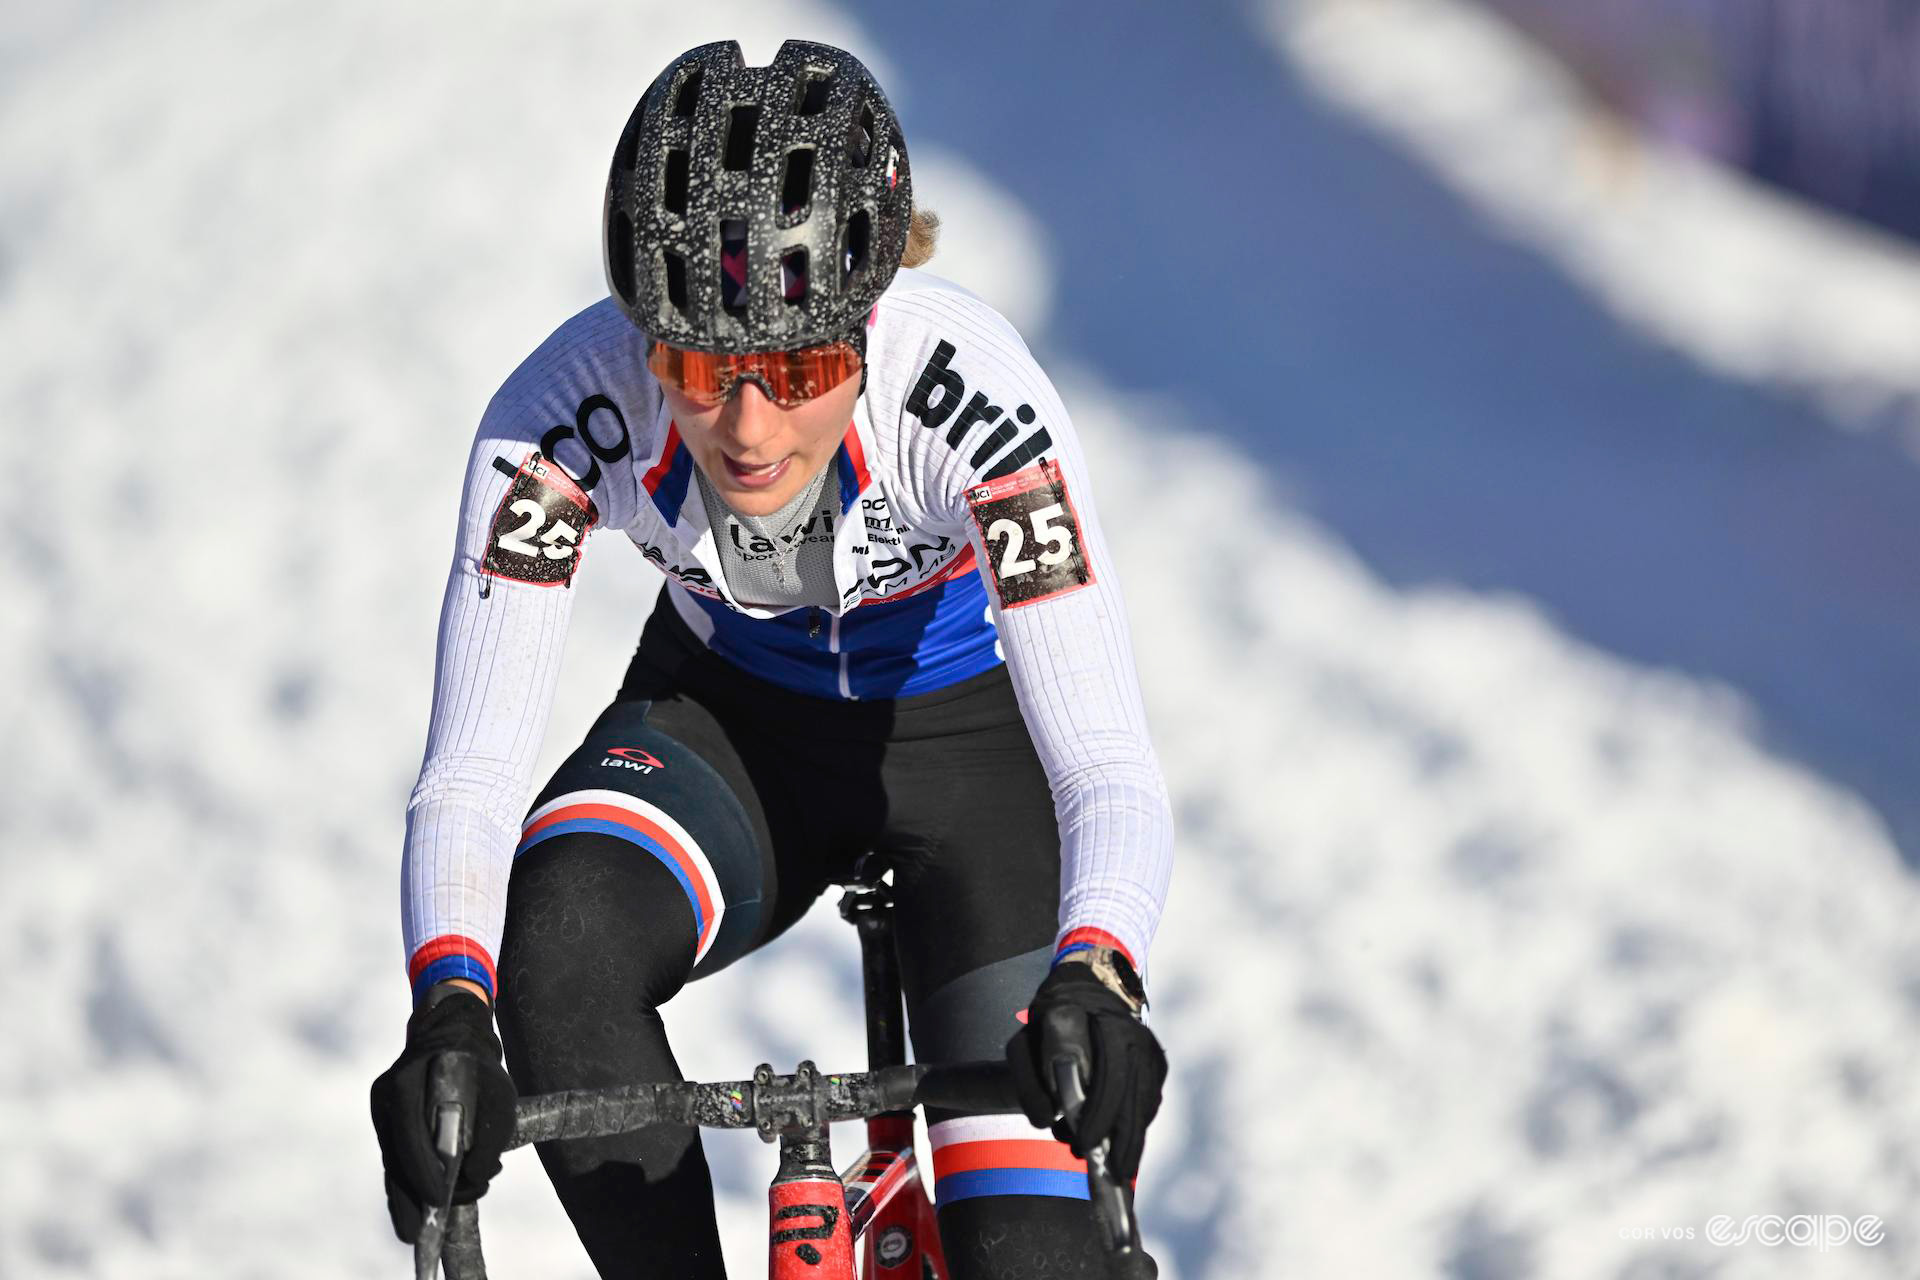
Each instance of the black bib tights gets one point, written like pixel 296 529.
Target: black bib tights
pixel 701 783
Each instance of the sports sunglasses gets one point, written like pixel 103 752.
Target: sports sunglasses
pixel 789 378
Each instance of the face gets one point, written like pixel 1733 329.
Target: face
pixel 756 453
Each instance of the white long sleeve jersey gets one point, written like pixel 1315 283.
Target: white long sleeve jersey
pixel 967 536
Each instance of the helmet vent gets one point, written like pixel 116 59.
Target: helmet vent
pixel 620 252
pixel 810 97
pixel 756 208
pixel 741 125
pixel 793 276
pixel 626 152
pixel 733 265
pixel 676 270
pixel 673 193
pixel 860 139
pixel 689 95
pixel 859 228
pixel 796 188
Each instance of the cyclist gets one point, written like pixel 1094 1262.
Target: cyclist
pixel 889 627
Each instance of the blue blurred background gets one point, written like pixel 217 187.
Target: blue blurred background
pixel 1823 99
pixel 1448 400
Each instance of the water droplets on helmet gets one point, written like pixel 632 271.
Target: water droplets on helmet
pixel 757 208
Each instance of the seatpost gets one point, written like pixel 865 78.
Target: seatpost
pixel 868 906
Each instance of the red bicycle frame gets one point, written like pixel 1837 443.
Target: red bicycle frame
pixel 816 1216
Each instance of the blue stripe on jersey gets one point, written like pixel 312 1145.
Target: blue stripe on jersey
pixel 894 649
pixel 848 477
pixel 671 494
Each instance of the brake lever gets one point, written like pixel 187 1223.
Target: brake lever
pixel 450 1081
pixel 1112 1202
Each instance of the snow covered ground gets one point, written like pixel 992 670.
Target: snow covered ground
pixel 1531 947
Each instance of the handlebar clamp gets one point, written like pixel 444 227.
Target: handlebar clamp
pixel 795 1105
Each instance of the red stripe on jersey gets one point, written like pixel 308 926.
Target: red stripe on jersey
pixel 651 481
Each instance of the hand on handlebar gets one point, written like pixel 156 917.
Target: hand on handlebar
pixel 454 1028
pixel 1078 1024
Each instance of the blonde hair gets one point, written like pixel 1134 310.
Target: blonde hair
pixel 922 231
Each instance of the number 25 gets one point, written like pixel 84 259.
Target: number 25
pixel 1059 541
pixel 557 542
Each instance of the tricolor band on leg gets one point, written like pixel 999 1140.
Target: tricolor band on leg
pixel 1002 1156
pixel 632 819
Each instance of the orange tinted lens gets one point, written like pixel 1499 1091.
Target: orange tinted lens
pixel 694 374
pixel 814 371
pixel 791 377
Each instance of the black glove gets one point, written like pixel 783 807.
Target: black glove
pixel 449 1021
pixel 1077 1016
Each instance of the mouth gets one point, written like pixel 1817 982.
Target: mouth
pixel 756 477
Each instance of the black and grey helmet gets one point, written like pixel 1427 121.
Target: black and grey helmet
pixel 757 208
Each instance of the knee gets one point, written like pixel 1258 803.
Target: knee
pixel 638 793
pixel 596 941
pixel 588 913
pixel 619 887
